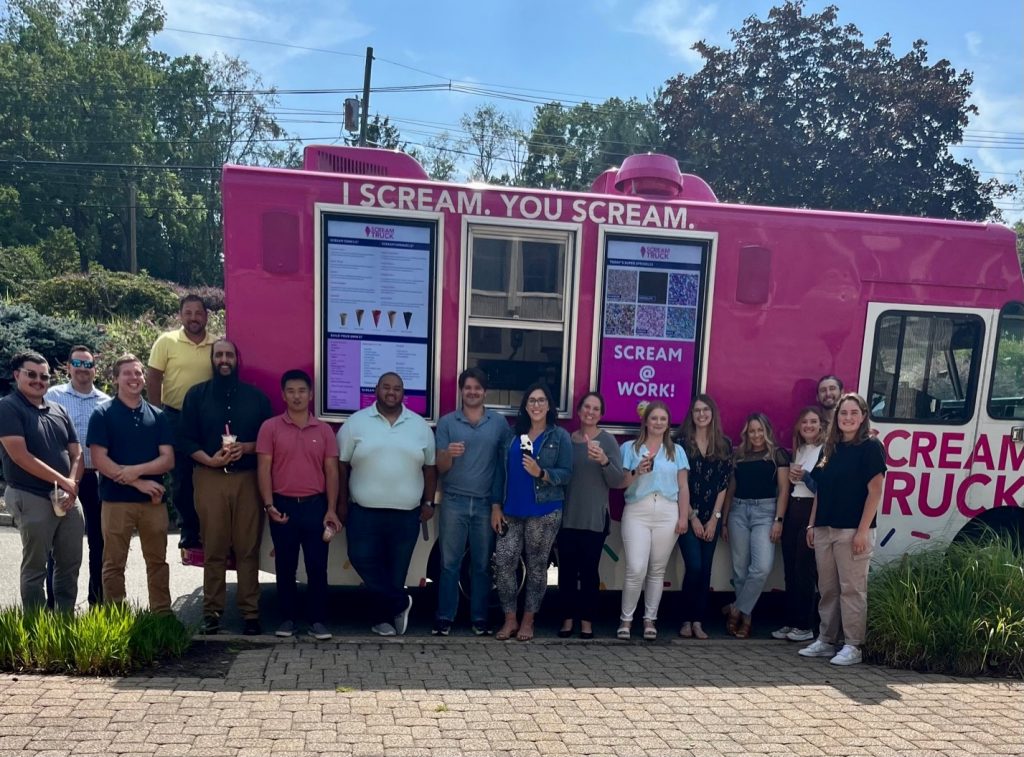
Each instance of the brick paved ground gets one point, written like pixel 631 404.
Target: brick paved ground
pixel 435 698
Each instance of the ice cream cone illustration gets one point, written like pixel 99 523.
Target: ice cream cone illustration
pixel 407 315
pixel 343 317
pixel 376 317
pixel 391 317
pixel 359 316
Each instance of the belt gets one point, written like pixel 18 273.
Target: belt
pixel 300 500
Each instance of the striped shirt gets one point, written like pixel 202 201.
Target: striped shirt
pixel 79 407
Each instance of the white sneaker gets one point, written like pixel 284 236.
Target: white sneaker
pixel 848 655
pixel 782 633
pixel 818 649
pixel 384 629
pixel 800 634
pixel 402 619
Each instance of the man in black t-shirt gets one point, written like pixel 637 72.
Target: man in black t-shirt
pixel 132 446
pixel 40 453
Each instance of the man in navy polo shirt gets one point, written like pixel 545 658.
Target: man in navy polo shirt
pixel 39 450
pixel 132 446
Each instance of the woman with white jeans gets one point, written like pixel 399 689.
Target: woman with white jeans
pixel 657 512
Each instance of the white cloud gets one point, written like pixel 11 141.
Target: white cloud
pixel 321 24
pixel 677 24
pixel 973 40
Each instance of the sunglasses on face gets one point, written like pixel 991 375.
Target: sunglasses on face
pixel 34 375
pixel 79 363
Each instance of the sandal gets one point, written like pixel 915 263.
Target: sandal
pixel 743 631
pixel 624 631
pixel 650 632
pixel 686 631
pixel 506 633
pixel 525 633
pixel 698 631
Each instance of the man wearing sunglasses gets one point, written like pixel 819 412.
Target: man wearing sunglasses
pixel 79 397
pixel 40 452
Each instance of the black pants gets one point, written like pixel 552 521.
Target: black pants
pixel 89 496
pixel 698 556
pixel 305 529
pixel 184 497
pixel 380 545
pixel 579 554
pixel 801 568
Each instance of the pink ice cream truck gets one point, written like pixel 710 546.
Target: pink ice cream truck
pixel 645 287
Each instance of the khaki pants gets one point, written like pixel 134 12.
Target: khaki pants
pixel 118 521
pixel 230 517
pixel 843 584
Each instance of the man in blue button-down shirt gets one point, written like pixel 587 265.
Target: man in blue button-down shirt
pixel 79 397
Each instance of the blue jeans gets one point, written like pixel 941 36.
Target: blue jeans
pixel 305 529
pixel 753 554
pixel 698 556
pixel 465 520
pixel 380 545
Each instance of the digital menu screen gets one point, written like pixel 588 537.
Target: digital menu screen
pixel 376 310
pixel 651 325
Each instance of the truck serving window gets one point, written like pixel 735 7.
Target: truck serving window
pixel 925 367
pixel 1006 394
pixel 517 324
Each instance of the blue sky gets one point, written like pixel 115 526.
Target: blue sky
pixel 591 49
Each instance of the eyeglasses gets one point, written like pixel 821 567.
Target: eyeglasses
pixel 537 401
pixel 701 410
pixel 79 363
pixel 34 375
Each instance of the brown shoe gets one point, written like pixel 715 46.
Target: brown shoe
pixel 732 618
pixel 743 630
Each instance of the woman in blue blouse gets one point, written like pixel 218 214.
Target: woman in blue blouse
pixel 657 512
pixel 538 466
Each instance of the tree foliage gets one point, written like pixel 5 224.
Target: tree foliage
pixel 86 101
pixel 799 111
pixel 570 147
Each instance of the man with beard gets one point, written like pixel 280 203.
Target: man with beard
pixel 220 420
pixel 79 397
pixel 386 489
pixel 830 389
pixel 132 446
pixel 179 360
pixel 39 451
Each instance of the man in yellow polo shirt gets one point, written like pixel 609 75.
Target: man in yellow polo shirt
pixel 179 360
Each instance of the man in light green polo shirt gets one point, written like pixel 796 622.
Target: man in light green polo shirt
pixel 179 360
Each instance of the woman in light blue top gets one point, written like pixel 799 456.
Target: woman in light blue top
pixel 657 512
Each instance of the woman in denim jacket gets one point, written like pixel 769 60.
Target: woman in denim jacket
pixel 538 466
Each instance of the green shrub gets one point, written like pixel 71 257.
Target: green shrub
pixel 22 328
pixel 106 640
pixel 956 610
pixel 20 268
pixel 102 295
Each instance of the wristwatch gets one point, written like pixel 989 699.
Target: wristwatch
pixel 779 519
pixel 427 503
pixel 267 507
pixel 718 516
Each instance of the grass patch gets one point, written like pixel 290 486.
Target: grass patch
pixel 956 610
pixel 107 640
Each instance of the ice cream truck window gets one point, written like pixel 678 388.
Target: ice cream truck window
pixel 375 313
pixel 518 319
pixel 1006 395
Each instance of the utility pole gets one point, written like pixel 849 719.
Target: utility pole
pixel 133 255
pixel 364 115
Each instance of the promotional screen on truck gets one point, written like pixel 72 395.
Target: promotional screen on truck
pixel 375 310
pixel 651 324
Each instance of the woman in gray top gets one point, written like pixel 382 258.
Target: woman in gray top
pixel 597 467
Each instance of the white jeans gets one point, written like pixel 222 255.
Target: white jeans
pixel 648 538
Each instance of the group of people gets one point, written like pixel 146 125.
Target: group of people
pixel 78 462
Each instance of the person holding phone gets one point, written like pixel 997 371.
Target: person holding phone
pixel 538 468
pixel 657 512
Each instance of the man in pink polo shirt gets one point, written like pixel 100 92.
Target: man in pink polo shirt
pixel 297 470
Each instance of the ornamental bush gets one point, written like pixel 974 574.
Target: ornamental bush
pixel 958 609
pixel 20 268
pixel 101 295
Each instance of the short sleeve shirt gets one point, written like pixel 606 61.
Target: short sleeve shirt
pixel 758 478
pixel 183 363
pixel 47 431
pixel 472 473
pixel 663 478
pixel 131 436
pixel 843 483
pixel 387 459
pixel 299 452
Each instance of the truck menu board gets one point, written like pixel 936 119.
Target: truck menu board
pixel 651 325
pixel 376 310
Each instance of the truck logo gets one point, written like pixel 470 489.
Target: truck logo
pixel 380 232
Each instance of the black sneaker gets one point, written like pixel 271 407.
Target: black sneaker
pixel 441 628
pixel 252 627
pixel 211 625
pixel 481 629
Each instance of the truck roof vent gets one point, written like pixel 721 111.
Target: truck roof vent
pixel 361 161
pixel 654 176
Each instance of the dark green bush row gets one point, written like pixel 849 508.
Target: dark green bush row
pixel 106 640
pixel 955 610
